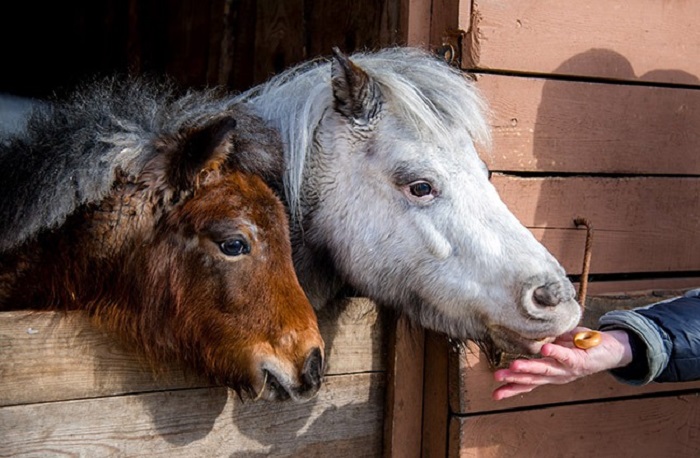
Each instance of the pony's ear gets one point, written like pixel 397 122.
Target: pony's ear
pixel 357 95
pixel 194 152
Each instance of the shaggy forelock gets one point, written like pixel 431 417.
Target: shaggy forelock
pixel 71 150
pixel 432 97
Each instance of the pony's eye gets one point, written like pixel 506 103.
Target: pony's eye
pixel 421 188
pixel 234 247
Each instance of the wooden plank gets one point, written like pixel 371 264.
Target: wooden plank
pixel 354 336
pixel 472 383
pixel 445 20
pixel 435 397
pixel 46 357
pixel 542 125
pixel 641 224
pixel 627 286
pixel 355 26
pixel 343 420
pixel 279 37
pixel 663 426
pixel 404 391
pixel 416 21
pixel 640 40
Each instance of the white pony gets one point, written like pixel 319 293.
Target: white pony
pixel 388 196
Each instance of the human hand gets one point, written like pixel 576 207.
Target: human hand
pixel 562 363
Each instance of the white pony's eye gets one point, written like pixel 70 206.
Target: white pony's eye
pixel 420 188
pixel 420 191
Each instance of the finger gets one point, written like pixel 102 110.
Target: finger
pixel 543 366
pixel 510 390
pixel 532 379
pixel 563 355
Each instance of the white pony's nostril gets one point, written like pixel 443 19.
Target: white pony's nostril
pixel 545 297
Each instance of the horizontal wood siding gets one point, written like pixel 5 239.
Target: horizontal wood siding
pixel 67 388
pixel 624 156
pixel 641 224
pixel 544 125
pixel 637 40
pixel 665 426
pixel 345 419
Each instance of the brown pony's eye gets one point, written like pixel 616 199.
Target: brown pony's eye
pixel 421 188
pixel 234 247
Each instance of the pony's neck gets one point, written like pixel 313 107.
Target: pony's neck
pixel 315 270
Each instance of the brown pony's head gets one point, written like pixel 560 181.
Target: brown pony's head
pixel 188 258
pixel 218 285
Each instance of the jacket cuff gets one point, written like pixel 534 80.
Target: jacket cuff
pixel 657 343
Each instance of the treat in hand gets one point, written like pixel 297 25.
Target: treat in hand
pixel 587 339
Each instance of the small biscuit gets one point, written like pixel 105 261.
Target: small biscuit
pixel 587 339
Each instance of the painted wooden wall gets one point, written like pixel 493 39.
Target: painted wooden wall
pixel 595 114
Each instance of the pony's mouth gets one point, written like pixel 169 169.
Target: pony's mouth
pixel 277 387
pixel 501 341
pixel 272 389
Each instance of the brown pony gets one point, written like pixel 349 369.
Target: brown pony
pixel 130 202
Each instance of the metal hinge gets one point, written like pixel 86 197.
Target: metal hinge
pixel 450 47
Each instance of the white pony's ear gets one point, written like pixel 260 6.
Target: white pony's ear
pixel 357 95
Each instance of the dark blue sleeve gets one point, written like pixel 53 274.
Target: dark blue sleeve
pixel 679 319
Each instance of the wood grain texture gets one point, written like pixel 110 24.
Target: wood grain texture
pixel 641 40
pixel 649 284
pixel 48 357
pixel 404 390
pixel 663 426
pixel 344 420
pixel 641 224
pixel 446 18
pixel 416 16
pixel 542 125
pixel 435 396
pixel 279 37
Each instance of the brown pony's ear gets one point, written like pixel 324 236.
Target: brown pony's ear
pixel 357 95
pixel 195 152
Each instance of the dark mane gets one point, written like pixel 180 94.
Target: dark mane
pixel 103 129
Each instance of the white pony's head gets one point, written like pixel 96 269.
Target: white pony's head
pixel 388 195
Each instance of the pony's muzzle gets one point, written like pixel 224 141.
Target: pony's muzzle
pixel 545 296
pixel 552 301
pixel 282 379
pixel 550 294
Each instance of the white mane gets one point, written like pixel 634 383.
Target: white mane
pixel 423 90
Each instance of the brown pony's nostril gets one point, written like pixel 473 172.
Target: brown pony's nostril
pixel 312 372
pixel 544 297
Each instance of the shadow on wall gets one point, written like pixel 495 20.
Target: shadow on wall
pixel 614 129
pixel 620 128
